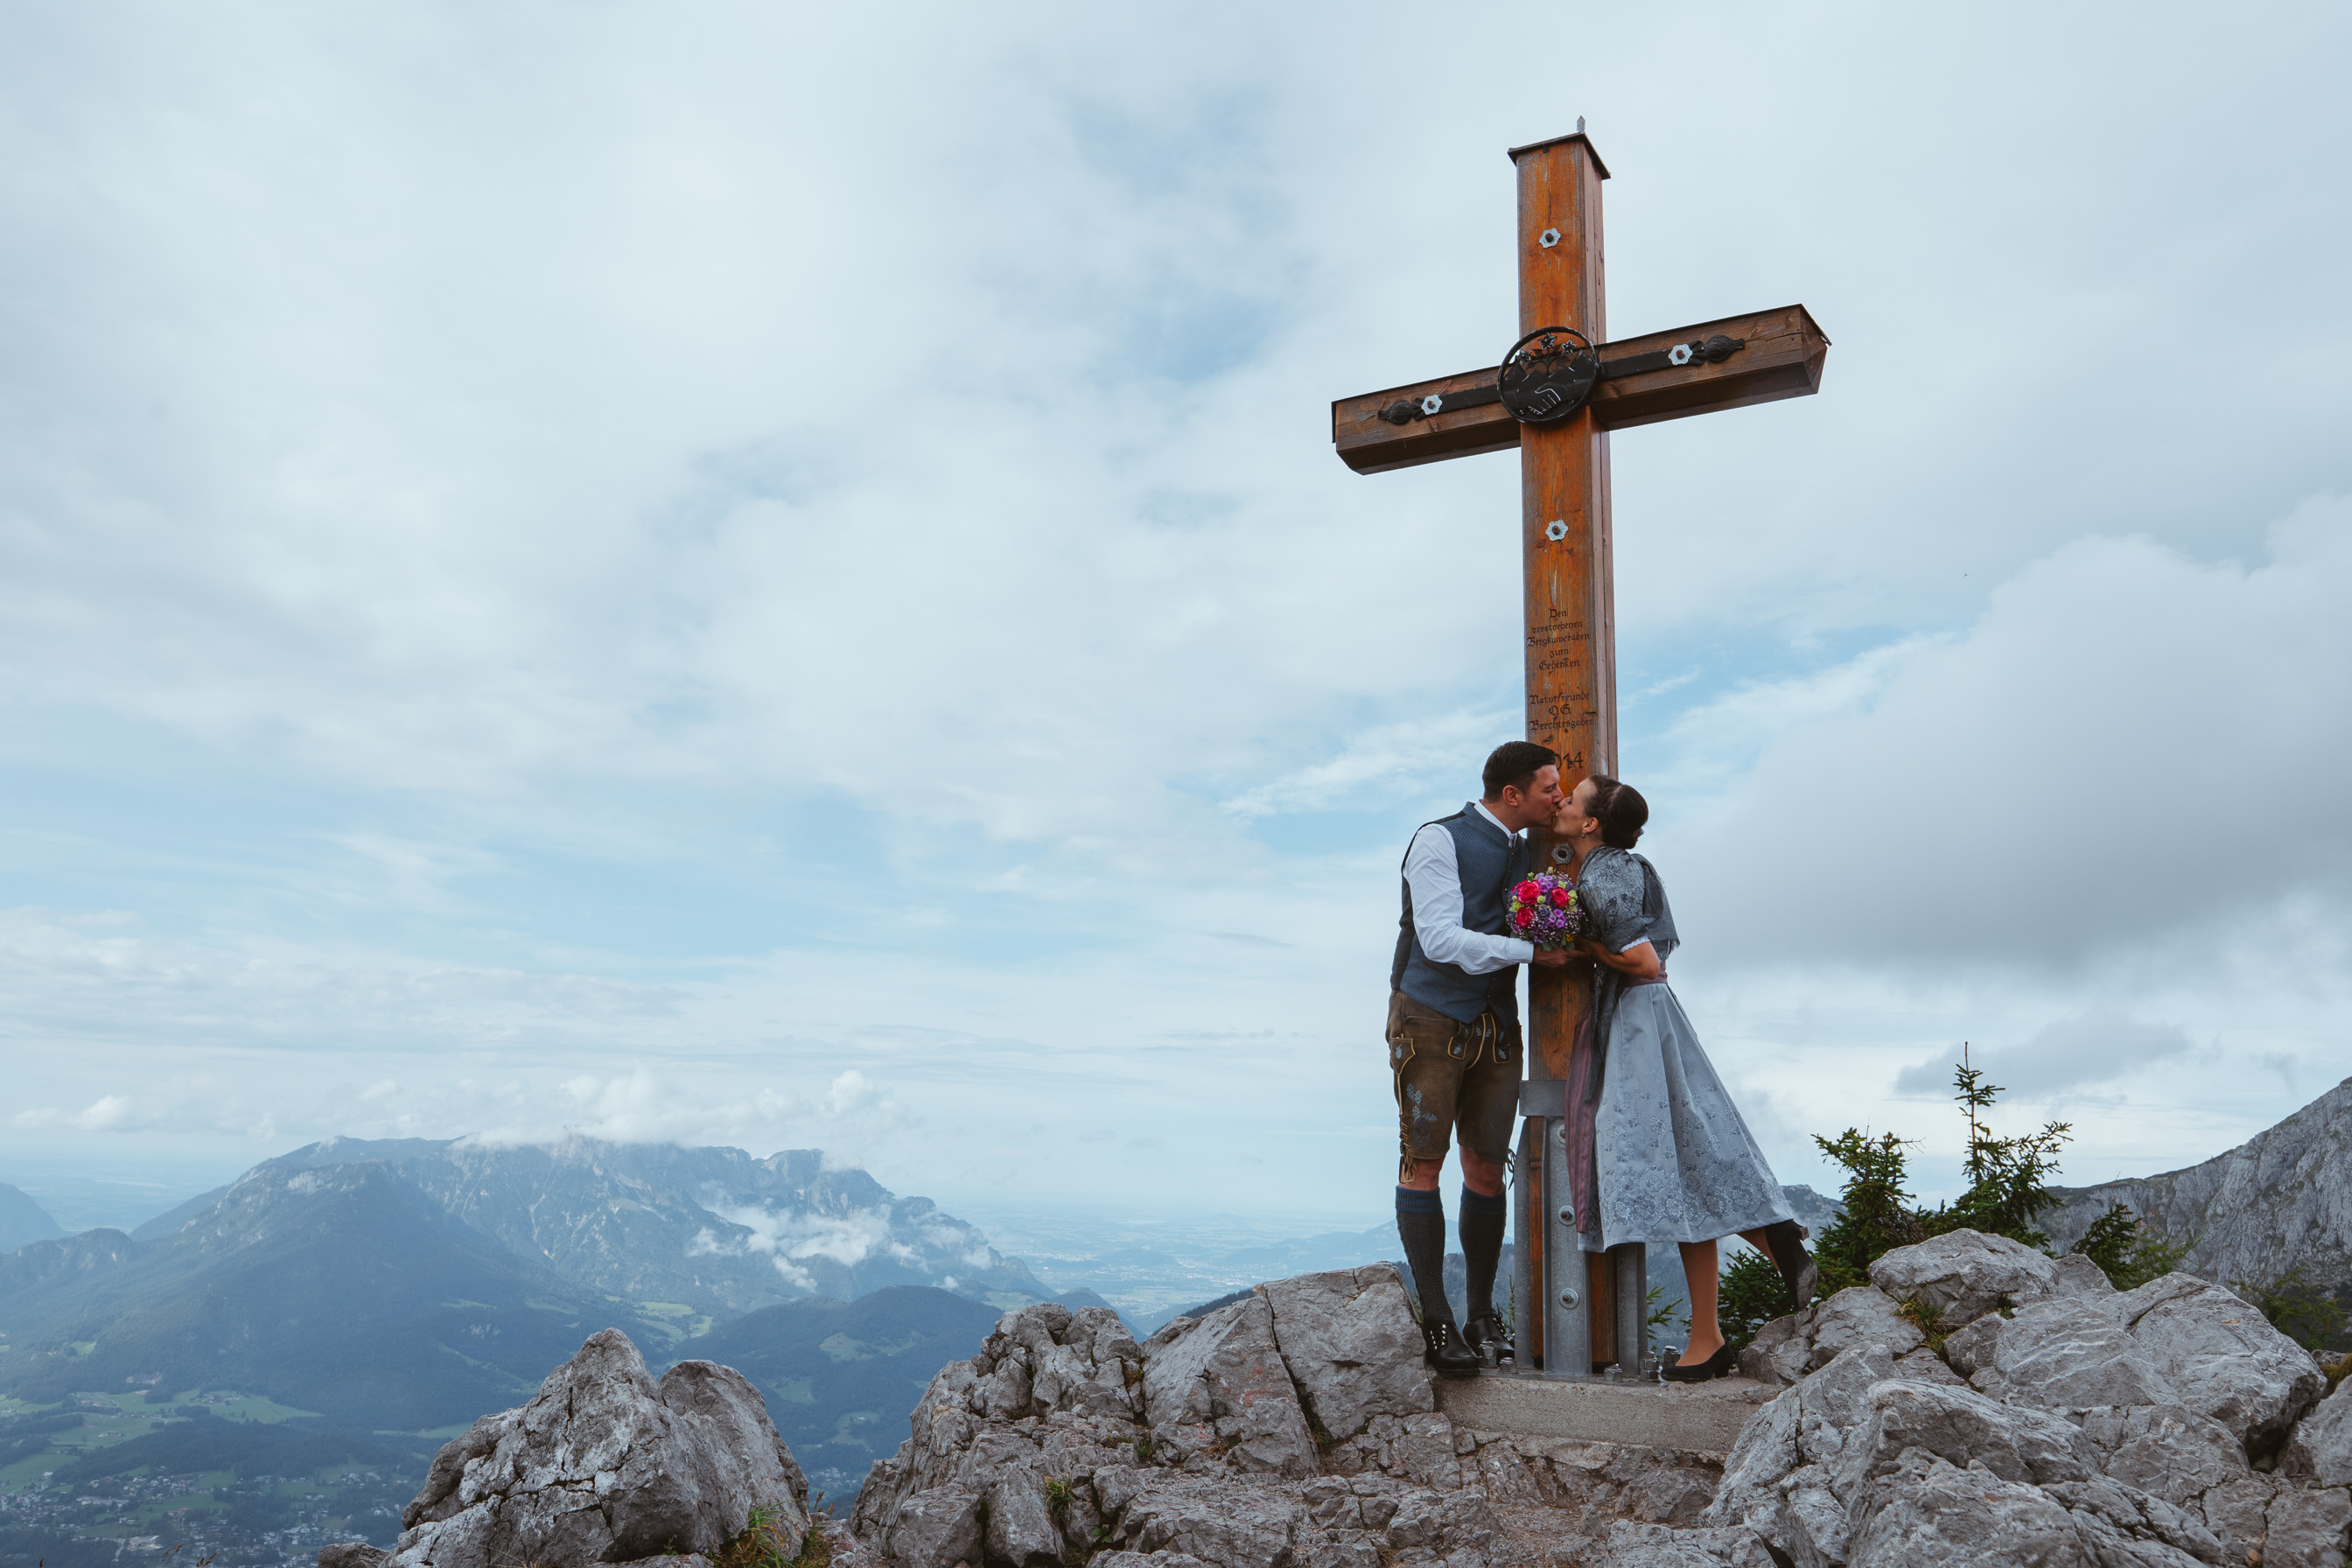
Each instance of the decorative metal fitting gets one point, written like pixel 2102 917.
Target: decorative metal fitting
pixel 1568 1299
pixel 1432 403
pixel 1679 354
pixel 1562 854
pixel 1547 239
pixel 1555 530
pixel 1548 374
pixel 1568 1216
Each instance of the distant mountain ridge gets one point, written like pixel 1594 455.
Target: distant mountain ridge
pixel 344 1290
pixel 710 1230
pixel 22 1219
pixel 2281 1200
pixel 402 1285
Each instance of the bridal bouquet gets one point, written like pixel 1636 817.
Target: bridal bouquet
pixel 1544 910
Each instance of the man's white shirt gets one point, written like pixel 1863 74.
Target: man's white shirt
pixel 1434 875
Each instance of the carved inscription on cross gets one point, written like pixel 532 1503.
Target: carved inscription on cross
pixel 1557 395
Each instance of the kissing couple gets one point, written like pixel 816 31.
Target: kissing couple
pixel 1657 1151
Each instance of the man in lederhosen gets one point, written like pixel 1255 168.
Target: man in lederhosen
pixel 1453 1037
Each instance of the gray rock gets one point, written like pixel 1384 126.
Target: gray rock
pixel 1786 1349
pixel 1964 1274
pixel 2235 1512
pixel 1930 1514
pixel 606 1466
pixel 1966 1349
pixel 1962 1428
pixel 2225 1360
pixel 1763 1455
pixel 1220 1387
pixel 2320 1451
pixel 1813 1528
pixel 2307 1528
pixel 2168 1450
pixel 2137 1516
pixel 1925 1365
pixel 1804 1426
pixel 2063 1353
pixel 1220 1522
pixel 2078 1276
pixel 1781 1352
pixel 1021 1527
pixel 1635 1545
pixel 940 1525
pixel 1351 1345
pixel 1860 1316
pixel 1140 1559
pixel 352 1554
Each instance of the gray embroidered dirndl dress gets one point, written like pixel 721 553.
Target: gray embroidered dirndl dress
pixel 1657 1150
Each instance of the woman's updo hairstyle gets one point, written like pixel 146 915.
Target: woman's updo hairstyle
pixel 1621 811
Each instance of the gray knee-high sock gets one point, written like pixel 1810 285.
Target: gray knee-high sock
pixel 1481 1228
pixel 1420 1226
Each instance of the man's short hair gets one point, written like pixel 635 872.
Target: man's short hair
pixel 1514 765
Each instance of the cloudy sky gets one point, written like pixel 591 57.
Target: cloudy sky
pixel 776 575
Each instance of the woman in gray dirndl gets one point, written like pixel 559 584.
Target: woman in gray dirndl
pixel 1657 1150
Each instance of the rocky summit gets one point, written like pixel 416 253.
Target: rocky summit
pixel 1977 1403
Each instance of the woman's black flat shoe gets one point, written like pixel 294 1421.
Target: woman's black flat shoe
pixel 1798 1270
pixel 1719 1365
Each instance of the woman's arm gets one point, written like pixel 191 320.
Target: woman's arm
pixel 1640 961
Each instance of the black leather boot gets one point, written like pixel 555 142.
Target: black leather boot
pixel 1447 1356
pixel 1798 1270
pixel 1486 1333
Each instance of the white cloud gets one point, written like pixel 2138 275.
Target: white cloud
pixel 2130 749
pixel 2090 1049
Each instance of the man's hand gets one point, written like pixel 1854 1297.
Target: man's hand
pixel 1552 957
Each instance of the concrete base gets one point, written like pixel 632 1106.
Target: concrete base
pixel 1704 1417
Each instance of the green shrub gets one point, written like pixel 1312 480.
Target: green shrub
pixel 1750 1294
pixel 1878 1217
pixel 2304 1313
pixel 2126 1250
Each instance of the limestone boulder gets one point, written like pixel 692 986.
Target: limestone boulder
pixel 2220 1355
pixel 1021 1530
pixel 1786 1349
pixel 2307 1528
pixel 2060 1353
pixel 1221 1521
pixel 2167 1450
pixel 2078 1276
pixel 1964 1274
pixel 2237 1513
pixel 2320 1451
pixel 1930 1514
pixel 604 1465
pixel 1633 1545
pixel 1217 1386
pixel 1351 1346
pixel 1960 1426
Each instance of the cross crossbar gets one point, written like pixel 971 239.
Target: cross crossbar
pixel 1781 355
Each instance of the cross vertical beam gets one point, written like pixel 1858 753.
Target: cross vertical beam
pixel 1572 691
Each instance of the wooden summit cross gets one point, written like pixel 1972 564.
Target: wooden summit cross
pixel 1555 398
